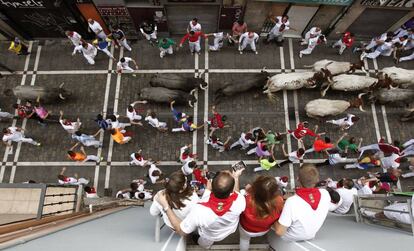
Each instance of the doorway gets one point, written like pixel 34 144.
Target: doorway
pixel 299 17
pixel 178 17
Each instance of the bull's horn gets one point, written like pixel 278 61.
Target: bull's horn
pixel 362 109
pixel 308 66
pixel 263 69
pixel 192 92
pixel 323 92
pixel 190 103
pixel 62 84
pixel 201 74
pixel 361 94
pixel 61 96
pixel 203 88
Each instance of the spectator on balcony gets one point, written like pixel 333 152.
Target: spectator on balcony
pixel 264 204
pixel 180 196
pixel 217 216
pixel 304 213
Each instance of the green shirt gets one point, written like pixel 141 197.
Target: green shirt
pixel 344 143
pixel 167 44
pixel 266 164
pixel 271 139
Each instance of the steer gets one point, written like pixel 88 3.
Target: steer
pixel 345 82
pixel 319 108
pixel 164 95
pixel 336 67
pixel 294 81
pixel 46 95
pixel 402 77
pixel 178 82
pixel 242 85
pixel 396 96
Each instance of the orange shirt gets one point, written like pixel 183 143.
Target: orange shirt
pixel 78 157
pixel 118 137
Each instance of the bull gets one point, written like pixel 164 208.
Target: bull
pixel 344 82
pixel 402 77
pixel 407 116
pixel 319 108
pixel 336 67
pixel 45 94
pixel 294 81
pixel 164 95
pixel 245 84
pixel 177 82
pixel 396 96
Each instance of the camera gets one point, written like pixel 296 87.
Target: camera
pixel 239 165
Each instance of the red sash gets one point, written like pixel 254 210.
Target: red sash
pixel 311 195
pixel 220 206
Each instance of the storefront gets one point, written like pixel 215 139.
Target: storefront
pixel 42 18
pixel 303 14
pixel 379 16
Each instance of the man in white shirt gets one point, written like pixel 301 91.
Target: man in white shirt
pixel 96 28
pixel 248 38
pixel 402 217
pixel 384 49
pixel 282 24
pixel 344 123
pixel 218 41
pixel 194 25
pixel 132 113
pixel 313 41
pixel 69 126
pixel 216 216
pixel 74 37
pixel 188 167
pixel 155 174
pixel 303 214
pixel 123 65
pixel 16 134
pixel 245 140
pixel 312 33
pixel 88 51
pixel 347 191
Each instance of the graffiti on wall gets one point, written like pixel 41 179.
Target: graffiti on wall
pixel 19 4
pixel 48 22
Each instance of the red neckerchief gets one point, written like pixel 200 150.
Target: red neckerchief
pixel 220 206
pixel 312 196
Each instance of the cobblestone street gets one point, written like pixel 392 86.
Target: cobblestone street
pixel 98 89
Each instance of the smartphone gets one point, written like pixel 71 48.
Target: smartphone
pixel 239 165
pixel 210 175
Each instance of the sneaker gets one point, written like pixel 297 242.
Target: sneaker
pixel 38 144
pixel 256 52
pixel 240 52
pixel 300 55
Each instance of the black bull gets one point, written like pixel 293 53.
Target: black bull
pixel 164 95
pixel 45 94
pixel 178 82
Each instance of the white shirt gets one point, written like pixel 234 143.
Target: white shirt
pixel 133 115
pixel 140 162
pixel 195 28
pixel 151 170
pixel 334 206
pixel 397 40
pixel 280 182
pixel 276 28
pixel 365 190
pixel 389 162
pixel 244 140
pixel 182 150
pixel 72 128
pixel 211 226
pixel 75 38
pixel 89 51
pixel 95 27
pixel 152 121
pixel 69 180
pixel 14 135
pixel 147 195
pixel 249 40
pixel 301 220
pixel 347 196
pixel 314 32
pixel 189 203
pixel 186 169
pixel 124 65
pixel 293 156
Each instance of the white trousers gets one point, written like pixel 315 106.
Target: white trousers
pixel 107 52
pixel 163 51
pixel 101 35
pixel 244 44
pixel 407 58
pixel 91 142
pixel 150 36
pixel 194 46
pixel 26 140
pixel 240 142
pixel 245 238
pixel 278 36
pixel 371 45
pixel 90 57
pixel 6 115
pixel 91 158
pixel 125 44
pixel 127 70
pixel 341 46
pixel 308 50
pixel 218 43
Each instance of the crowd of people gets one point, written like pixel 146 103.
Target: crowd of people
pixel 207 205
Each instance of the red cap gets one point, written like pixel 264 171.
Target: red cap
pixel 284 179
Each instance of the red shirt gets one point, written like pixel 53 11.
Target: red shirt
pixel 217 121
pixel 347 39
pixel 302 131
pixel 193 38
pixel 198 177
pixel 253 223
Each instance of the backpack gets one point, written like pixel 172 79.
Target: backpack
pixel 103 124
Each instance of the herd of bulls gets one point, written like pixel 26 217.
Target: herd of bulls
pixel 392 85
